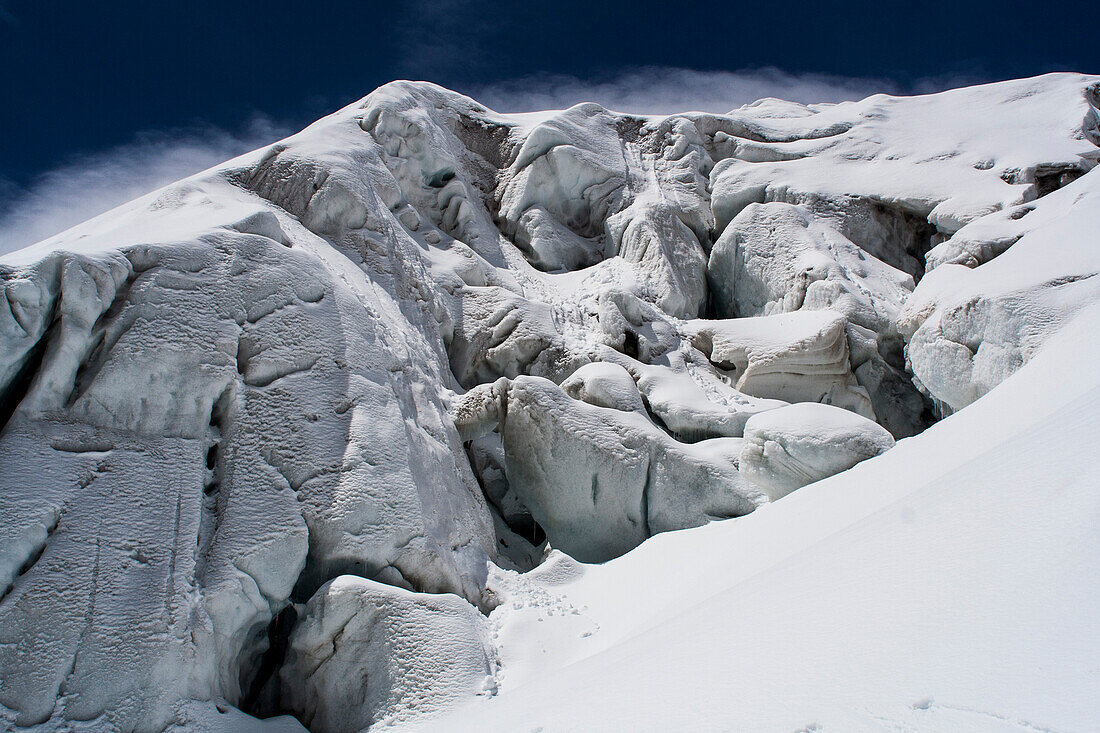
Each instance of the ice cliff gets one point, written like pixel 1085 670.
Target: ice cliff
pixel 274 436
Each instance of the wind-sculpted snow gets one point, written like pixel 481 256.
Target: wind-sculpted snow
pixel 367 372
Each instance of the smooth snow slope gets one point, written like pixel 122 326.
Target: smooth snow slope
pixel 949 584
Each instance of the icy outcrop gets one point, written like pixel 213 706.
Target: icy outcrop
pixel 970 328
pixel 572 167
pixel 600 479
pixel 777 258
pixel 786 449
pixel 370 653
pixel 669 261
pixel 781 258
pixel 418 339
pixel 796 357
pixel 276 458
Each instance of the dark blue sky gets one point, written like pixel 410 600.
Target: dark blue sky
pixel 81 77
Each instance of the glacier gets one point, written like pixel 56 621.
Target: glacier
pixel 433 417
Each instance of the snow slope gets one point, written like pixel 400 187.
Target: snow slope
pixel 948 584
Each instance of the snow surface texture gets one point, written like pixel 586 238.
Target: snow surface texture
pixel 278 436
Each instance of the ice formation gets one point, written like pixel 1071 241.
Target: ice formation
pixel 369 653
pixel 280 437
pixel 786 449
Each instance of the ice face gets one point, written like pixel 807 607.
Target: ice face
pixel 367 653
pixel 1003 284
pixel 361 370
pixel 786 449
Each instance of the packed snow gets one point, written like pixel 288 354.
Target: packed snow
pixel 326 434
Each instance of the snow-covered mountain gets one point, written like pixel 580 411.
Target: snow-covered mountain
pixel 331 430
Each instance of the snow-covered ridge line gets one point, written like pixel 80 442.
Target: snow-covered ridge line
pixel 418 338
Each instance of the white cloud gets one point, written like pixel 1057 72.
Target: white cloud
pixel 92 184
pixel 664 90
